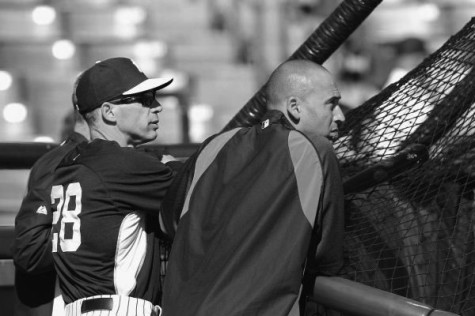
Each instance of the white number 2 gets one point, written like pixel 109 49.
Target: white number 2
pixel 67 216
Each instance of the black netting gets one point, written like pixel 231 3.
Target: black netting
pixel 413 234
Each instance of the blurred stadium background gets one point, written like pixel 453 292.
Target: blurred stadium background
pixel 407 77
pixel 219 51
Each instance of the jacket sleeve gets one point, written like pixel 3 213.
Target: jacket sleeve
pixel 325 254
pixel 174 199
pixel 330 221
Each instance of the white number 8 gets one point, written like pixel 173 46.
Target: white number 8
pixel 68 216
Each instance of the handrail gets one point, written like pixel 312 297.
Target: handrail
pixel 357 299
pixel 31 151
pixel 7 237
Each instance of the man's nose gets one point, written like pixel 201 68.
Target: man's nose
pixel 338 115
pixel 157 107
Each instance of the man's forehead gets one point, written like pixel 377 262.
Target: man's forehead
pixel 327 88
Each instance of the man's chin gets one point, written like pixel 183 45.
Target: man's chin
pixel 144 139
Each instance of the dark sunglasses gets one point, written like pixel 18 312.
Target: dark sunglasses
pixel 145 99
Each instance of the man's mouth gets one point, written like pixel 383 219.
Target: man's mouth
pixel 333 135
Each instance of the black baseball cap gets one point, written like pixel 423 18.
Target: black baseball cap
pixel 110 79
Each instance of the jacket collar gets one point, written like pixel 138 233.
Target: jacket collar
pixel 276 117
pixel 77 137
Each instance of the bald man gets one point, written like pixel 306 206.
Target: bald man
pixel 260 207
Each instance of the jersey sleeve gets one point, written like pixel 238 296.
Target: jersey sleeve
pixel 139 183
pixel 32 246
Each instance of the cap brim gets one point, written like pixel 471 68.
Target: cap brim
pixel 149 84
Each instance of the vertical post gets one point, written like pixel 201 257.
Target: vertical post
pixel 317 48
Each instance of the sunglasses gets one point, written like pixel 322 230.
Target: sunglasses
pixel 145 99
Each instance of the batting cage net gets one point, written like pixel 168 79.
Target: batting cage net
pixel 408 158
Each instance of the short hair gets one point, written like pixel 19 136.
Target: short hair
pixel 74 97
pixel 293 77
pixel 90 117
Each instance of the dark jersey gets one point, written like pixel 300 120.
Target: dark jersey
pixel 256 198
pixel 35 276
pixel 105 221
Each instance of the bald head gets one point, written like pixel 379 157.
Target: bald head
pixel 294 78
pixel 307 95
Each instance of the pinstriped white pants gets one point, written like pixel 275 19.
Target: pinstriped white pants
pixel 58 302
pixel 122 306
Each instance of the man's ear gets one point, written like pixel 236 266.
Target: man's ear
pixel 108 112
pixel 293 109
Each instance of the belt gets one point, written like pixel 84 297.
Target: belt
pixel 94 304
pixel 112 303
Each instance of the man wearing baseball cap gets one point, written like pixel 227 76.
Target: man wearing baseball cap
pixel 115 89
pixel 106 195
